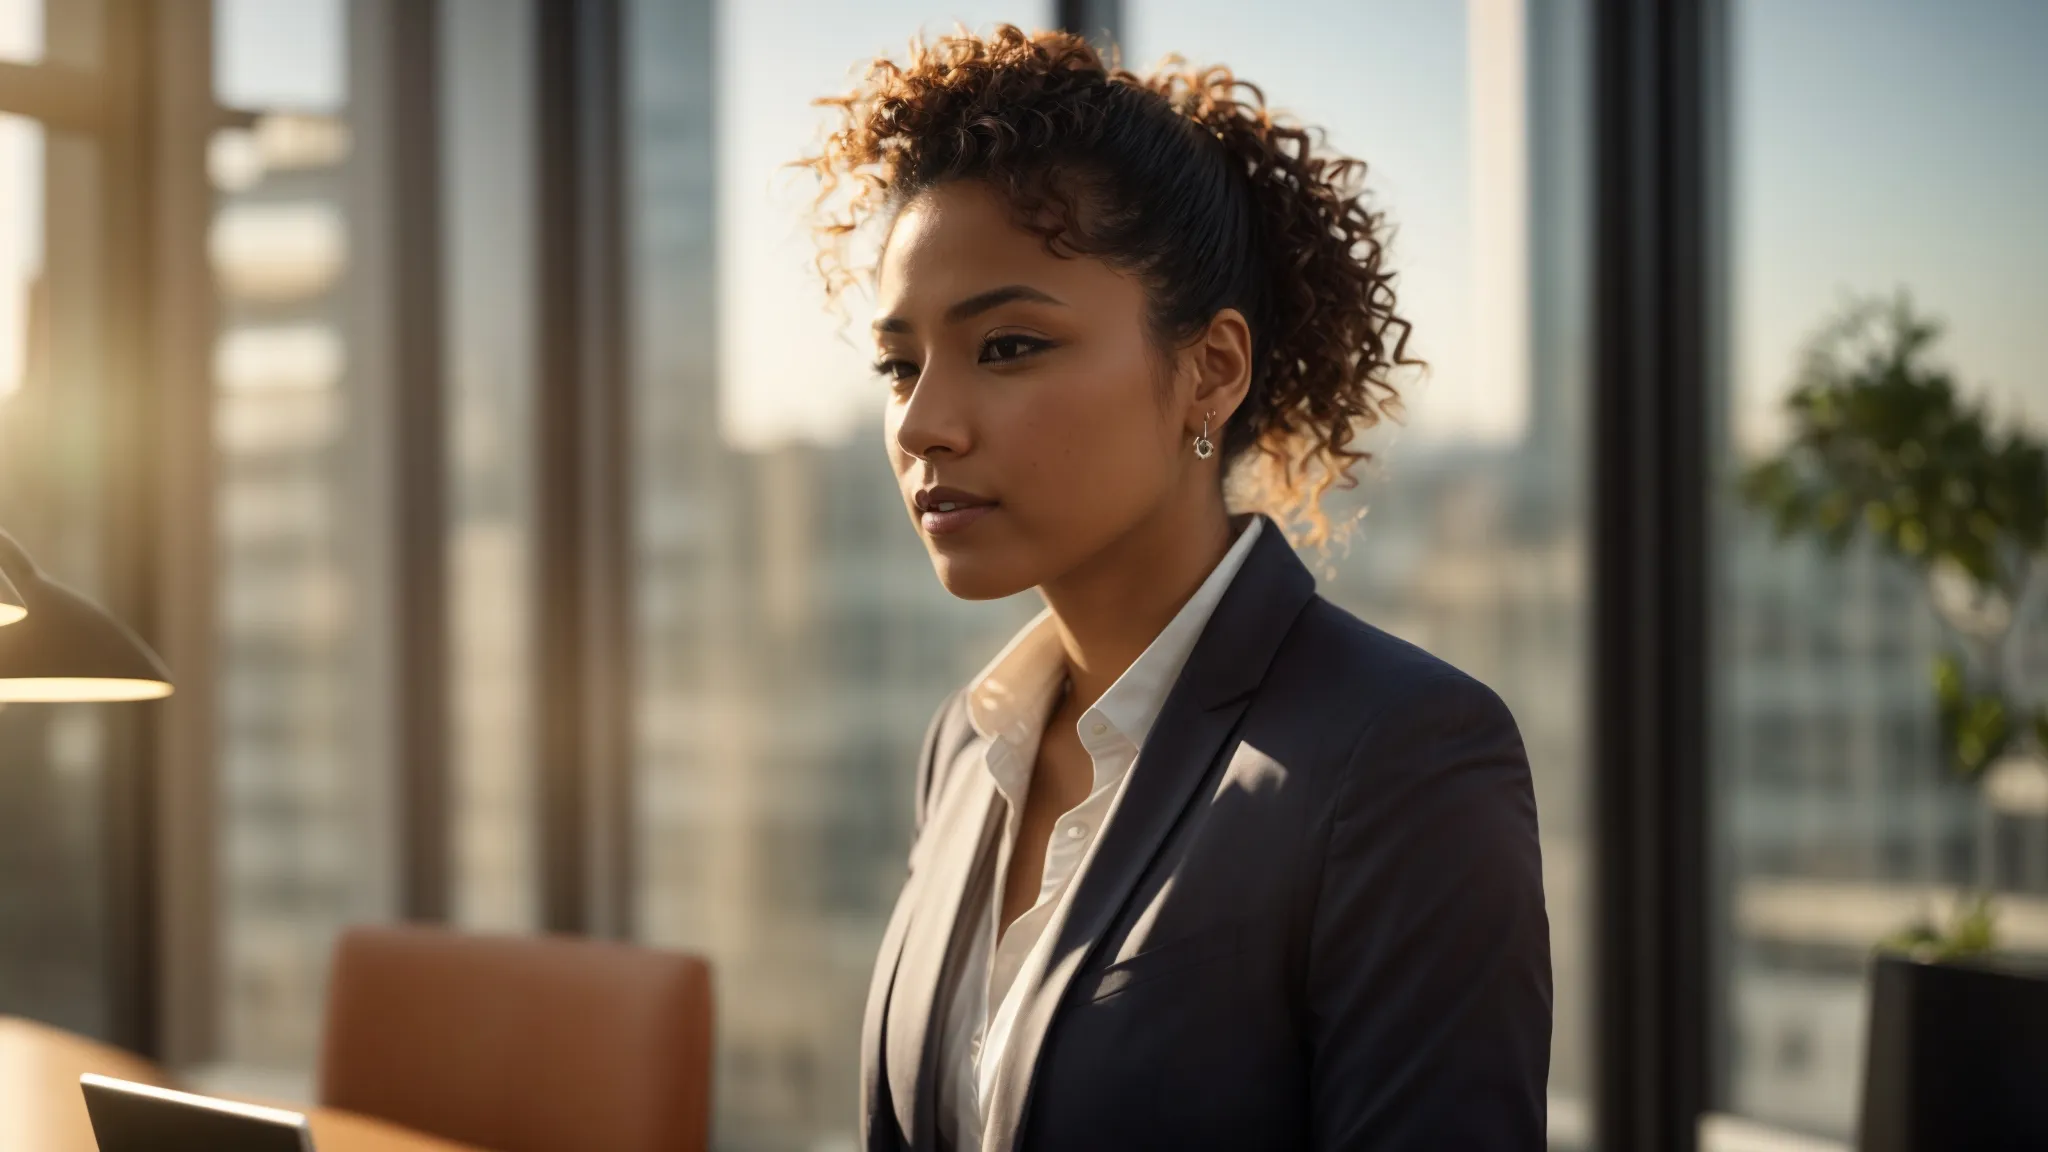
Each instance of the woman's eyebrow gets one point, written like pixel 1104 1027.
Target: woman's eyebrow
pixel 975 305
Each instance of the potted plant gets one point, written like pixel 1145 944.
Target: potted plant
pixel 1883 447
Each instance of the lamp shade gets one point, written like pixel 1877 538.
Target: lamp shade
pixel 65 648
pixel 11 608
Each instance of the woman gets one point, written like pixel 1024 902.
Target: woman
pixel 1202 861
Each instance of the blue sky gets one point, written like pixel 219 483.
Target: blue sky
pixel 1885 143
pixel 283 54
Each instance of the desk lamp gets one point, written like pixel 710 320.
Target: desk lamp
pixel 10 603
pixel 57 646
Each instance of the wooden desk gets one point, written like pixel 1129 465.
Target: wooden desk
pixel 41 1109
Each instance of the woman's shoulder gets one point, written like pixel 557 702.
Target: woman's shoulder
pixel 1372 724
pixel 1347 668
pixel 1337 641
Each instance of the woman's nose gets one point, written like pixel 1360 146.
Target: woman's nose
pixel 934 420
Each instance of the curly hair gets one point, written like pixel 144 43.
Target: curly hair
pixel 1211 200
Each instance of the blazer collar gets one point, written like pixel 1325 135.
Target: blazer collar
pixel 1245 631
pixel 1228 663
pixel 952 858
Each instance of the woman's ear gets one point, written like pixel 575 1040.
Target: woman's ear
pixel 1222 366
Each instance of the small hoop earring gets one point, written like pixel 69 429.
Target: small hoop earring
pixel 1204 448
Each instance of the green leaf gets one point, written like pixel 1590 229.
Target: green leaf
pixel 1883 445
pixel 1948 680
pixel 1971 931
pixel 1977 725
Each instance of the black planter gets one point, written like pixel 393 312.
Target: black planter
pixel 1957 1059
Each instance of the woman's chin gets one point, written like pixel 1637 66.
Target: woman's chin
pixel 970 579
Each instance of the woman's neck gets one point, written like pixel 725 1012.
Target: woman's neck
pixel 1110 608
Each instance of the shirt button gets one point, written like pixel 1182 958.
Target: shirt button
pixel 1076 831
pixel 1098 728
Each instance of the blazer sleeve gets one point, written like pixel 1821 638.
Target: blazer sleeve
pixel 1428 977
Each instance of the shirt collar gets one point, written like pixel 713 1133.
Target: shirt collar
pixel 1132 703
pixel 1013 691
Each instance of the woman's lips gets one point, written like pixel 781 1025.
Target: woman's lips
pixel 944 523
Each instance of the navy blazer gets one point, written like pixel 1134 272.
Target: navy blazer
pixel 1314 921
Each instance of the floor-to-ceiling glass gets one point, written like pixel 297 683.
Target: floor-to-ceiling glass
pixel 56 405
pixel 488 230
pixel 308 827
pixel 792 640
pixel 1473 121
pixel 1883 155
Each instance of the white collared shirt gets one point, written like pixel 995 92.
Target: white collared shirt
pixel 1009 704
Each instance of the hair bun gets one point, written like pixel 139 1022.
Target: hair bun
pixel 1271 222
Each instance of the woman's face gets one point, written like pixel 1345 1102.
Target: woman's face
pixel 1025 394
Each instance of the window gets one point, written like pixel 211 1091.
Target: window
pixel 1839 843
pixel 488 225
pixel 789 637
pixel 790 631
pixel 306 743
pixel 1472 130
pixel 750 622
pixel 318 785
pixel 61 759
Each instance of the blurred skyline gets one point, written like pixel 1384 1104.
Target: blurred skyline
pixel 1810 220
pixel 786 372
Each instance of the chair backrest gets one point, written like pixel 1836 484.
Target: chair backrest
pixel 540 1044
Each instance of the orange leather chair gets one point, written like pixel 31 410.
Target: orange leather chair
pixel 547 1044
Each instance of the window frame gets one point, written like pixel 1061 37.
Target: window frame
pixel 1660 174
pixel 1659 161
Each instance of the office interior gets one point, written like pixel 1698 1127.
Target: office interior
pixel 442 390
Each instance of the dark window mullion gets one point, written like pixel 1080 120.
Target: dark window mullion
pixel 419 434
pixel 584 691
pixel 1099 21
pixel 1653 62
pixel 135 540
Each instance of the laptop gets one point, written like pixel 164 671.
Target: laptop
pixel 131 1117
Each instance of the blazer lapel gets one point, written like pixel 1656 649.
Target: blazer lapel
pixel 958 833
pixel 874 1104
pixel 1199 714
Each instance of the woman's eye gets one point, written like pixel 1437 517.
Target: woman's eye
pixel 995 350
pixel 1021 346
pixel 888 369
